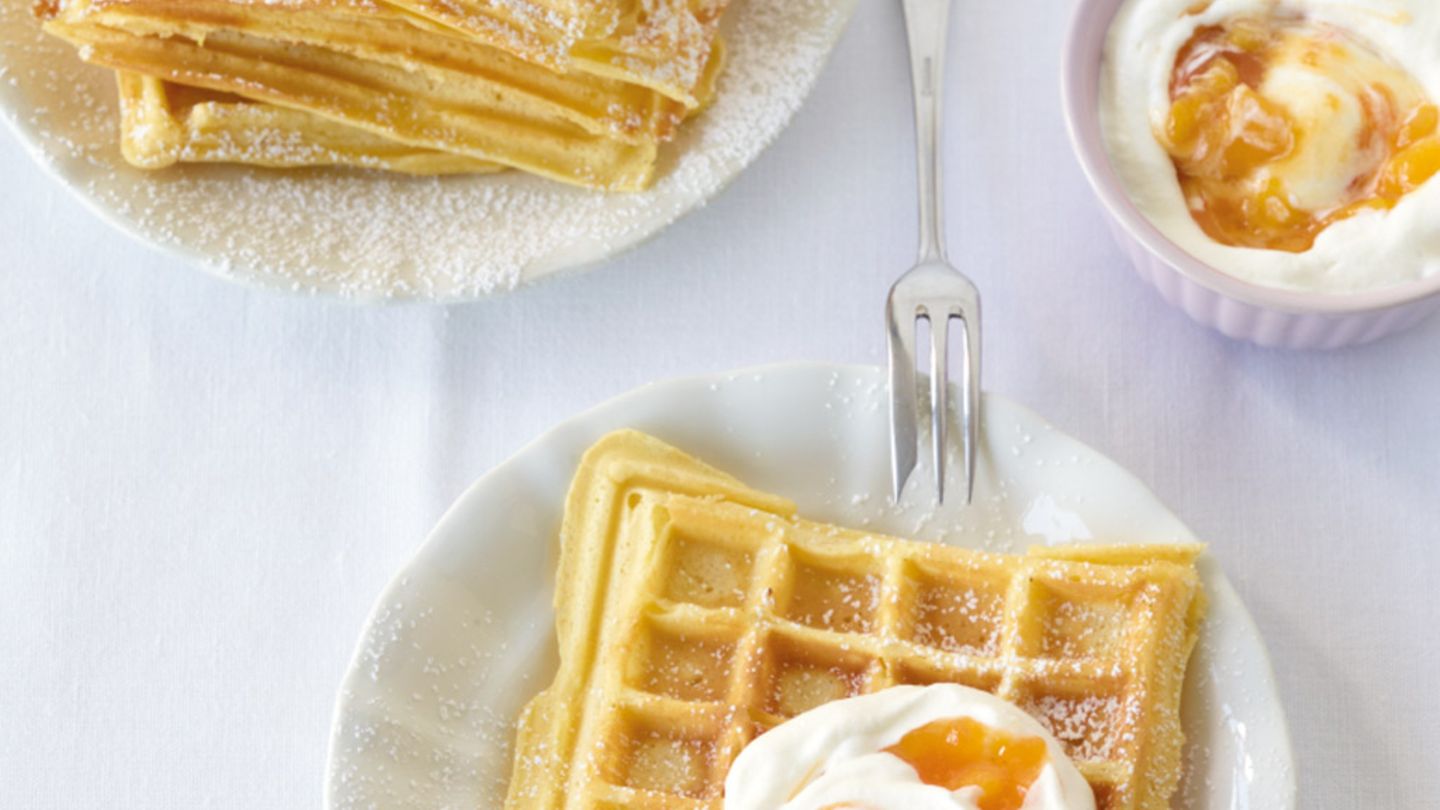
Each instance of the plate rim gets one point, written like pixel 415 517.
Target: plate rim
pixel 1270 697
pixel 253 276
pixel 52 168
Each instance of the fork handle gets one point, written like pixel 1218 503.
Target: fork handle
pixel 926 25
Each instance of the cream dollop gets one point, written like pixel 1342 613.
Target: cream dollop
pixel 835 755
pixel 1367 251
pixel 1323 90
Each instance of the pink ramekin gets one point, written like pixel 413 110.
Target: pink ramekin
pixel 1270 317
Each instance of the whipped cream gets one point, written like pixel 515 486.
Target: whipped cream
pixel 1370 250
pixel 835 755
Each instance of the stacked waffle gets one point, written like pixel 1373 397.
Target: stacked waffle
pixel 580 91
pixel 694 613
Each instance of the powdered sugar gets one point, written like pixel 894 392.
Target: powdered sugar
pixel 370 235
pixel 492 560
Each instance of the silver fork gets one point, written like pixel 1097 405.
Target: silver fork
pixel 932 290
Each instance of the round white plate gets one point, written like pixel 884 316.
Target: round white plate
pixel 374 236
pixel 463 637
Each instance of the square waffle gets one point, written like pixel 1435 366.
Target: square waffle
pixel 664 45
pixel 396 76
pixel 387 100
pixel 694 613
pixel 162 124
pixel 465 72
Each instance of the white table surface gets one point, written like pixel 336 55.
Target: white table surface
pixel 203 488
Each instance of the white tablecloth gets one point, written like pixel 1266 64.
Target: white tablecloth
pixel 203 488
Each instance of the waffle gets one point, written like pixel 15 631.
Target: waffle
pixel 386 100
pixel 162 124
pixel 660 44
pixel 468 73
pixel 396 76
pixel 694 613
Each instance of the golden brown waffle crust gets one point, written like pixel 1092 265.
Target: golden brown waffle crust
pixel 356 82
pixel 629 493
pixel 619 464
pixel 162 124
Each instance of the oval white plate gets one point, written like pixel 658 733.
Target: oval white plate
pixel 462 638
pixel 373 236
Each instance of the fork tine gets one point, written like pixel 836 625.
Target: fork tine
pixel 939 395
pixel 970 381
pixel 901 339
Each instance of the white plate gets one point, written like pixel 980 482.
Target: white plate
pixel 373 236
pixel 463 638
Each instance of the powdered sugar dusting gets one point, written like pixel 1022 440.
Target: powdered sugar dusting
pixel 462 639
pixel 450 654
pixel 370 235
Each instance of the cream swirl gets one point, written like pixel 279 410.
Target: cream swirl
pixel 838 755
pixel 1385 44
